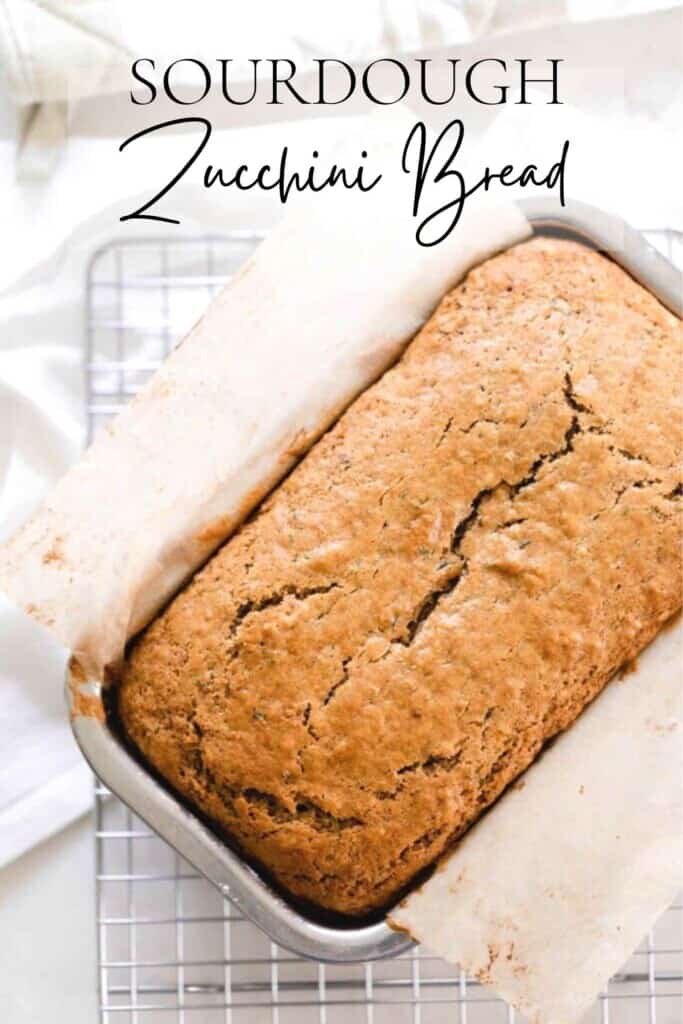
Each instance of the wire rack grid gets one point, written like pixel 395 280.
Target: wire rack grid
pixel 170 948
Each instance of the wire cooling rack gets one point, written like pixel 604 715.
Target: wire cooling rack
pixel 170 948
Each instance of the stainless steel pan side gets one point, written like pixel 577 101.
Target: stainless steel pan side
pixel 112 763
pixel 122 774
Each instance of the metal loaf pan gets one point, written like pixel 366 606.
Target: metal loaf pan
pixel 236 880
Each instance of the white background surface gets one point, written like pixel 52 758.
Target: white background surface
pixel 47 935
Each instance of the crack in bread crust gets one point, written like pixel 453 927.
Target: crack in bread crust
pixel 441 586
pixel 250 607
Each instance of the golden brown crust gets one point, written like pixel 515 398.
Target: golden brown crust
pixel 440 586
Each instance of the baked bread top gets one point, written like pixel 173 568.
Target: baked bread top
pixel 453 571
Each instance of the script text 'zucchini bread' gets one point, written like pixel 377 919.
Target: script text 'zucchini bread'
pixel 447 578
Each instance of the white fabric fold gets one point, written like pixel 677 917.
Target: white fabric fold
pixel 44 783
pixel 59 52
pixel 69 49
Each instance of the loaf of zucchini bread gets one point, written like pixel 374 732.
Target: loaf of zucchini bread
pixel 442 584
